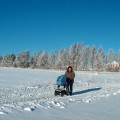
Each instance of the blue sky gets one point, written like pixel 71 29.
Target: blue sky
pixel 55 24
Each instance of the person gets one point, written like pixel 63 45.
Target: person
pixel 70 75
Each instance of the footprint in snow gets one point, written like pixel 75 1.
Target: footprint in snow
pixel 2 113
pixel 88 101
pixel 29 109
pixel 114 93
pixel 57 104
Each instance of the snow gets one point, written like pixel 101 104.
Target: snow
pixel 27 94
pixel 29 109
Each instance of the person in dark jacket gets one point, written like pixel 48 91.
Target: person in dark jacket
pixel 70 75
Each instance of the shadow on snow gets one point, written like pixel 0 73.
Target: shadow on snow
pixel 86 91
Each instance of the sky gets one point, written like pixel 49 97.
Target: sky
pixel 55 24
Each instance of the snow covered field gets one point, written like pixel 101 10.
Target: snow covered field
pixel 27 94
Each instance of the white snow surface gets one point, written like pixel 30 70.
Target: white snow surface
pixel 28 94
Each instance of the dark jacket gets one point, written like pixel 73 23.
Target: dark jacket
pixel 70 76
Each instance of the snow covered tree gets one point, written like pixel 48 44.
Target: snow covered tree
pixel 58 62
pixel 34 60
pixel 23 59
pixel 8 60
pixel 113 67
pixel 63 58
pixel 74 55
pixel 100 57
pixel 111 56
pixel 85 57
pixel 1 58
pixel 52 58
pixel 118 57
pixel 79 56
pixel 43 60
pixel 93 61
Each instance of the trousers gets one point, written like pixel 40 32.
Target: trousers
pixel 69 86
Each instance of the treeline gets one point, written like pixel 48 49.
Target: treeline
pixel 80 56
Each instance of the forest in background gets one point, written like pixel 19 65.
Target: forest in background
pixel 79 56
